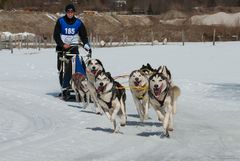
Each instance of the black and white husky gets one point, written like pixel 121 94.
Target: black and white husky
pixel 138 84
pixel 165 72
pixel 79 85
pixel 93 66
pixel 147 70
pixel 111 96
pixel 163 97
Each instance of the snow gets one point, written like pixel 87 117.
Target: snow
pixel 52 17
pixel 220 18
pixel 16 36
pixel 36 126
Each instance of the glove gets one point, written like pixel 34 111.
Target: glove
pixel 86 47
pixel 89 55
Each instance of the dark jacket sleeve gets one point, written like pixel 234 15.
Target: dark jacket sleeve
pixel 56 35
pixel 83 34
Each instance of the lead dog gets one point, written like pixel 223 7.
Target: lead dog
pixel 111 96
pixel 93 66
pixel 79 85
pixel 163 97
pixel 138 84
pixel 165 72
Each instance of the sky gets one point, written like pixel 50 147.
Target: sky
pixel 35 125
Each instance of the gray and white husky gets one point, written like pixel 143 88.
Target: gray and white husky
pixel 138 84
pixel 93 66
pixel 163 97
pixel 111 96
pixel 79 85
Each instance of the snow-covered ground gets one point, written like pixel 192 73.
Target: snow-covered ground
pixel 37 126
pixel 220 18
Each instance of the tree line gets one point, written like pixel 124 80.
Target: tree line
pixel 144 6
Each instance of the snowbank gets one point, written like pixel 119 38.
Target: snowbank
pixel 16 36
pixel 220 18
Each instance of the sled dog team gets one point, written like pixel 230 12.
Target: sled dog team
pixel 149 87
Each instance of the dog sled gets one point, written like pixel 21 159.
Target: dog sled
pixel 77 61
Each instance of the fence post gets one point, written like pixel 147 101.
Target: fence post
pixel 126 39
pixel 0 42
pixel 10 44
pixel 27 41
pixel 183 38
pixel 152 36
pixel 93 41
pixel 90 37
pixel 111 38
pixel 36 42
pixel 52 42
pixel 20 42
pixel 214 35
pixel 39 43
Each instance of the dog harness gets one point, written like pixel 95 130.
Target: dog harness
pixel 144 87
pixel 116 92
pixel 161 102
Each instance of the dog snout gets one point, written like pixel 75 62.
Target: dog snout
pixel 94 68
pixel 137 79
pixel 101 83
pixel 155 86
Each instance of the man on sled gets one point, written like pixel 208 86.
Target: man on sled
pixel 67 31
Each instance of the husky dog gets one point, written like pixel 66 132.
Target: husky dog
pixel 165 72
pixel 138 84
pixel 147 70
pixel 93 66
pixel 79 85
pixel 163 97
pixel 111 96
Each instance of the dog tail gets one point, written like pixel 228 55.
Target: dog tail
pixel 175 94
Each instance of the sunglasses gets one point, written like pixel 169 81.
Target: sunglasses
pixel 70 11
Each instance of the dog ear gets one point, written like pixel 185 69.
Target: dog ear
pixel 149 66
pixel 108 74
pixel 99 62
pixel 159 70
pixel 168 72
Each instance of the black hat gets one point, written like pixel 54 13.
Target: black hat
pixel 70 6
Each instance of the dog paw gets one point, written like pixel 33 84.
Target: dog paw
pixel 145 117
pixel 122 124
pixel 85 106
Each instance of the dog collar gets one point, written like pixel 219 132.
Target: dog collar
pixel 161 102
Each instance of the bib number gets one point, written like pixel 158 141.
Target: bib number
pixel 69 31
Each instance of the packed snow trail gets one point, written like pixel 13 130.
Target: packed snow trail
pixel 36 126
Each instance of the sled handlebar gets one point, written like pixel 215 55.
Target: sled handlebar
pixel 68 53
